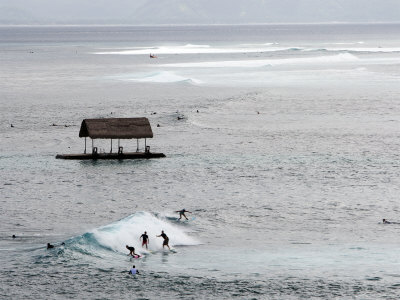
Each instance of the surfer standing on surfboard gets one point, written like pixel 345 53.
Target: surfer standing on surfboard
pixel 182 213
pixel 166 239
pixel 145 239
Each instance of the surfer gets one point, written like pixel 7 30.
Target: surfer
pixel 384 221
pixel 131 251
pixel 145 239
pixel 182 213
pixel 50 246
pixel 166 239
pixel 152 56
pixel 133 271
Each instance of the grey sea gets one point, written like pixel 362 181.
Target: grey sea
pixel 281 140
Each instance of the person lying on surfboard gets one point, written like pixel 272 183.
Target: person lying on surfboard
pixel 152 56
pixel 384 221
pixel 182 213
pixel 50 246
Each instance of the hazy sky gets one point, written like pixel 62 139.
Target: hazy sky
pixel 196 11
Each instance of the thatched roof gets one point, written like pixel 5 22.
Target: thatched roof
pixel 116 128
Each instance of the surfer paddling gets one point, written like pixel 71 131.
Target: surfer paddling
pixel 50 246
pixel 152 56
pixel 384 221
pixel 132 251
pixel 145 239
pixel 182 213
pixel 166 239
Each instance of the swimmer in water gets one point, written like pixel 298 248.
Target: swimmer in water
pixel 133 271
pixel 166 239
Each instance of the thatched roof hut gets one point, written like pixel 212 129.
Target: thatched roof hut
pixel 116 128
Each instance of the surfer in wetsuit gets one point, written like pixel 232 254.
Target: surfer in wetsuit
pixel 50 246
pixel 131 251
pixel 166 239
pixel 145 239
pixel 182 213
pixel 133 271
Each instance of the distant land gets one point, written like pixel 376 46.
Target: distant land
pixel 146 12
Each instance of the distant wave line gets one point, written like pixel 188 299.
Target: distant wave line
pixel 249 48
pixel 342 57
pixel 164 77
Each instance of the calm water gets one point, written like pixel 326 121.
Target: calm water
pixel 287 155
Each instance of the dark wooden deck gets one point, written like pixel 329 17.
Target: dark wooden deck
pixel 127 155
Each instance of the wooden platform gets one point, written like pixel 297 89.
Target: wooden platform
pixel 127 155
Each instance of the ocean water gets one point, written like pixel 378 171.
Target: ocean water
pixel 286 153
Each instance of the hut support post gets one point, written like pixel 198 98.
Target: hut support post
pixel 111 146
pixel 85 146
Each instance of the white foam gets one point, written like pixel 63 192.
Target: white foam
pixel 342 57
pixel 258 45
pixel 356 46
pixel 128 231
pixel 372 49
pixel 245 48
pixel 195 49
pixel 358 49
pixel 196 46
pixel 346 43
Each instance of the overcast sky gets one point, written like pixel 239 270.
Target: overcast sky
pixel 196 11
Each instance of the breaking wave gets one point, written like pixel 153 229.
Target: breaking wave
pixel 114 237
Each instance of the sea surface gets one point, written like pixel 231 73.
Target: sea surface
pixel 282 140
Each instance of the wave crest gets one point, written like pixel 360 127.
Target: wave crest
pixel 114 237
